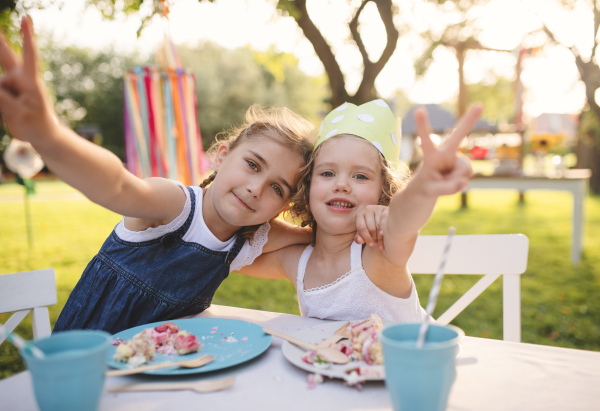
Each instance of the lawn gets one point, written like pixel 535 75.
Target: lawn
pixel 559 301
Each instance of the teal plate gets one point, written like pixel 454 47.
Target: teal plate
pixel 245 341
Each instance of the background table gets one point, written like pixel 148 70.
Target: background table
pixel 492 375
pixel 574 181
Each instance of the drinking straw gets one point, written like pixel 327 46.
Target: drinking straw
pixel 435 290
pixel 20 343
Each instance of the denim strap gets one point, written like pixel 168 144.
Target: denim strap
pixel 171 238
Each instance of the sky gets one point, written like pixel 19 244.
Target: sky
pixel 550 78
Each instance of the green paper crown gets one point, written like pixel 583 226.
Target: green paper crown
pixel 372 121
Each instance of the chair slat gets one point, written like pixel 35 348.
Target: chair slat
pixel 471 254
pixel 27 289
pixel 490 255
pixel 28 292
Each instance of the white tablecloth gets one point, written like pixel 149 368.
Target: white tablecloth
pixel 492 375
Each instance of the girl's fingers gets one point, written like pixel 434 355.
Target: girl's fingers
pixel 7 100
pixel 362 232
pixel 8 58
pixel 372 228
pixel 463 127
pixel 423 129
pixel 29 48
pixel 382 218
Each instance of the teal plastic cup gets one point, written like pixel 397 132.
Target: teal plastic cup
pixel 420 378
pixel 71 374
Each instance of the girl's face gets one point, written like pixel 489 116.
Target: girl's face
pixel 346 175
pixel 254 183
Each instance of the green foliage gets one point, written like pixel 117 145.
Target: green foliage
pixel 146 9
pixel 559 300
pixel 497 98
pixel 229 81
pixel 87 86
pixel 88 90
pixel 422 64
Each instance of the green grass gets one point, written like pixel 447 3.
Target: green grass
pixel 559 301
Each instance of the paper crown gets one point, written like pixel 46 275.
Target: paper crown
pixel 372 121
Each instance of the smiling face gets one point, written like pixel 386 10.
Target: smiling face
pixel 346 175
pixel 254 183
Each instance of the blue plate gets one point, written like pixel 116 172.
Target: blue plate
pixel 245 341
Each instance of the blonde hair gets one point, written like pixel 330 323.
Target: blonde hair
pixel 393 177
pixel 278 124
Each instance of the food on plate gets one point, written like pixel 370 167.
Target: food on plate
pixel 166 338
pixel 364 344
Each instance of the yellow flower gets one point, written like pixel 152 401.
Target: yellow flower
pixel 545 141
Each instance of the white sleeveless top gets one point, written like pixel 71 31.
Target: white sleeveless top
pixel 353 296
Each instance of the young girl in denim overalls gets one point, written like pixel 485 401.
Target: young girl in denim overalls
pixel 176 244
pixel 352 169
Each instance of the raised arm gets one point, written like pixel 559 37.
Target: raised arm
pixel 28 114
pixel 444 171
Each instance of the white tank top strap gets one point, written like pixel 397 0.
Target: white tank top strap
pixel 355 256
pixel 302 266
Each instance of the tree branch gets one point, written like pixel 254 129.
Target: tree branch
pixel 372 69
pixel 323 50
pixel 356 35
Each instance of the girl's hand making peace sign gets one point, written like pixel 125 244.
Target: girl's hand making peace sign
pixel 24 103
pixel 444 170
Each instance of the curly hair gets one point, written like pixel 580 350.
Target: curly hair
pixel 393 177
pixel 278 124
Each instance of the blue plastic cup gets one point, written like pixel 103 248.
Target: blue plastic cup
pixel 420 378
pixel 71 374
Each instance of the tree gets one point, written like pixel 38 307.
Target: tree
pixel 366 90
pixel 229 81
pixel 497 98
pixel 460 35
pixel 297 9
pixel 589 72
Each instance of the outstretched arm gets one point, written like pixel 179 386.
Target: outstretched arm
pixel 28 114
pixel 444 171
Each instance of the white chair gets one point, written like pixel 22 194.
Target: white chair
pixel 25 292
pixel 491 255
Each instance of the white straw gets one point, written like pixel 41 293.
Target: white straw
pixel 435 290
pixel 20 343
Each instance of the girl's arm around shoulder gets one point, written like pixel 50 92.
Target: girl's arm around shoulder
pixel 282 263
pixel 283 234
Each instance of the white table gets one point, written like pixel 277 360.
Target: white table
pixel 574 181
pixel 493 375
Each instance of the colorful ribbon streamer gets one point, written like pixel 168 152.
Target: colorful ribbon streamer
pixel 162 135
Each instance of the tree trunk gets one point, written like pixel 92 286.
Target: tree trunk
pixel 462 87
pixel 588 156
pixel 366 90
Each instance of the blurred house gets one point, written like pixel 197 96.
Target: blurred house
pixel 554 128
pixel 441 121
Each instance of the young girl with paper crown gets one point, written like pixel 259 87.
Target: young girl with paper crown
pixel 176 244
pixel 354 165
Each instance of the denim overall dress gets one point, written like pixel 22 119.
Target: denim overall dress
pixel 133 283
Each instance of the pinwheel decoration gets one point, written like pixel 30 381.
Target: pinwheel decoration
pixel 22 159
